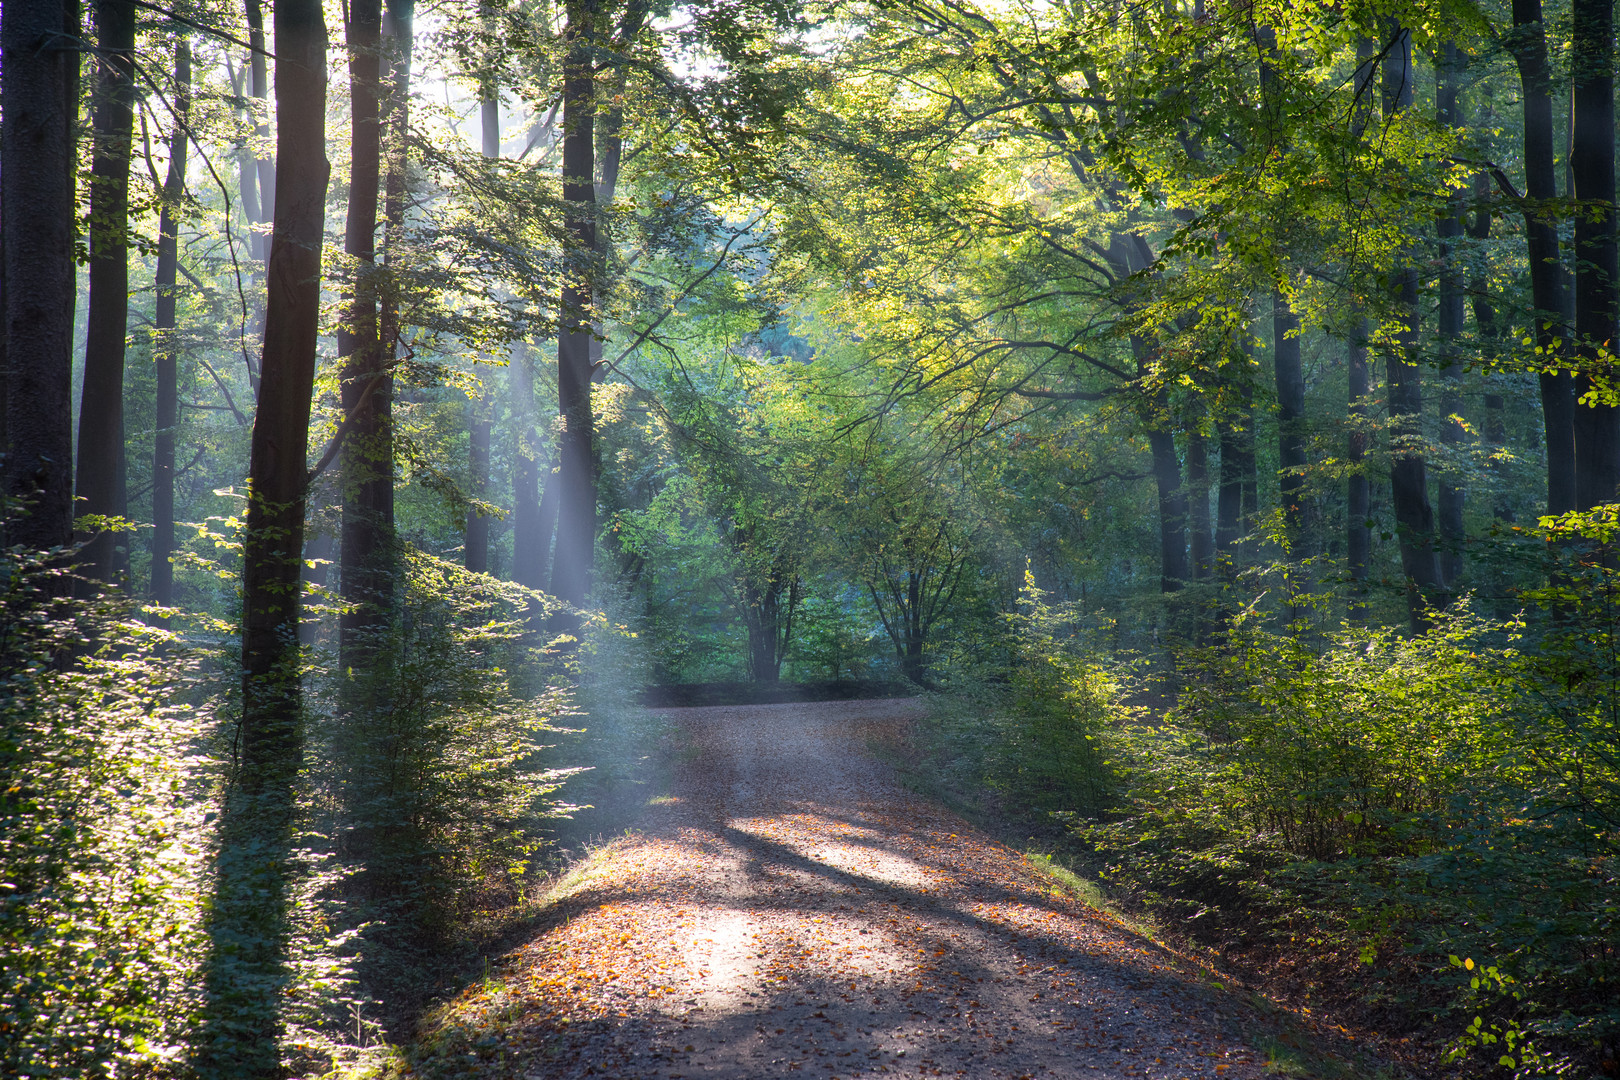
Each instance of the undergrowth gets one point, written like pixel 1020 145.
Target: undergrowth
pixel 1427 823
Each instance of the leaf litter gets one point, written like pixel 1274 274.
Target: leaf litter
pixel 792 911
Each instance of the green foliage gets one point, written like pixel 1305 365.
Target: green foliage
pixel 1056 727
pixel 104 777
pixel 434 775
pixel 1396 800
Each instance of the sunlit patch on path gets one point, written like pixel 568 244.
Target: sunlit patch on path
pixel 794 912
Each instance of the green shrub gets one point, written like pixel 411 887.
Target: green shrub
pixel 1399 797
pixel 104 781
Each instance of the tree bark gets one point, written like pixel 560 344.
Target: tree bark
pixel 1541 243
pixel 1409 483
pixel 1451 496
pixel 576 506
pixel 101 485
pixel 1203 543
pixel 39 105
pixel 1290 372
pixel 247 967
pixel 367 456
pixel 480 410
pixel 1235 501
pixel 1597 275
pixel 1174 570
pixel 165 348
pixel 529 541
pixel 1358 490
pixel 259 90
pixel 399 40
pixel 475 551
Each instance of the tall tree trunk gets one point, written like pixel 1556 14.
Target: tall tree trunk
pixel 1409 481
pixel 165 346
pixel 1358 490
pixel 1597 275
pixel 529 541
pixel 265 167
pixel 39 94
pixel 1494 429
pixel 367 461
pixel 1547 286
pixel 1203 542
pixel 399 42
pixel 247 971
pixel 1174 569
pixel 1291 462
pixel 480 411
pixel 610 157
pixel 247 166
pixel 1235 501
pixel 1358 379
pixel 576 506
pixel 1450 492
pixel 101 484
pixel 475 551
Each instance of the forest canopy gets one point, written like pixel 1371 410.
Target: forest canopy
pixel 1209 408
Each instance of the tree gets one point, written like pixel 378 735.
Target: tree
pixel 368 458
pixel 165 346
pixel 1597 253
pixel 247 965
pixel 39 101
pixel 101 480
pixel 1409 483
pixel 1529 45
pixel 259 184
pixel 475 549
pixel 576 501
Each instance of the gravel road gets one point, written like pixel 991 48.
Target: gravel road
pixel 790 910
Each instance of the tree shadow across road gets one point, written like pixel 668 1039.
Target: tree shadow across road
pixel 797 913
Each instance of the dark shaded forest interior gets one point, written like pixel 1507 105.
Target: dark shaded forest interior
pixel 1208 411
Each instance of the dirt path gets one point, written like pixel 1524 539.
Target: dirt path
pixel 792 911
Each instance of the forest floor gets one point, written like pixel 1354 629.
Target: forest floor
pixel 788 909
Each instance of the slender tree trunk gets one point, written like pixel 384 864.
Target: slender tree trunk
pixel 1229 499
pixel 529 541
pixel 247 166
pixel 1174 569
pixel 39 105
pixel 247 973
pixel 1451 495
pixel 165 346
pixel 365 543
pixel 1203 543
pixel 264 167
pixel 1597 275
pixel 1358 490
pixel 1494 430
pixel 576 506
pixel 1547 286
pixel 547 528
pixel 1409 481
pixel 101 484
pixel 1290 421
pixel 610 153
pixel 399 41
pixel 1358 380
pixel 1235 502
pixel 475 552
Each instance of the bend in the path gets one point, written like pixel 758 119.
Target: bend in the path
pixel 792 911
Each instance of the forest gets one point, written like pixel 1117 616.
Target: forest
pixel 1207 409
